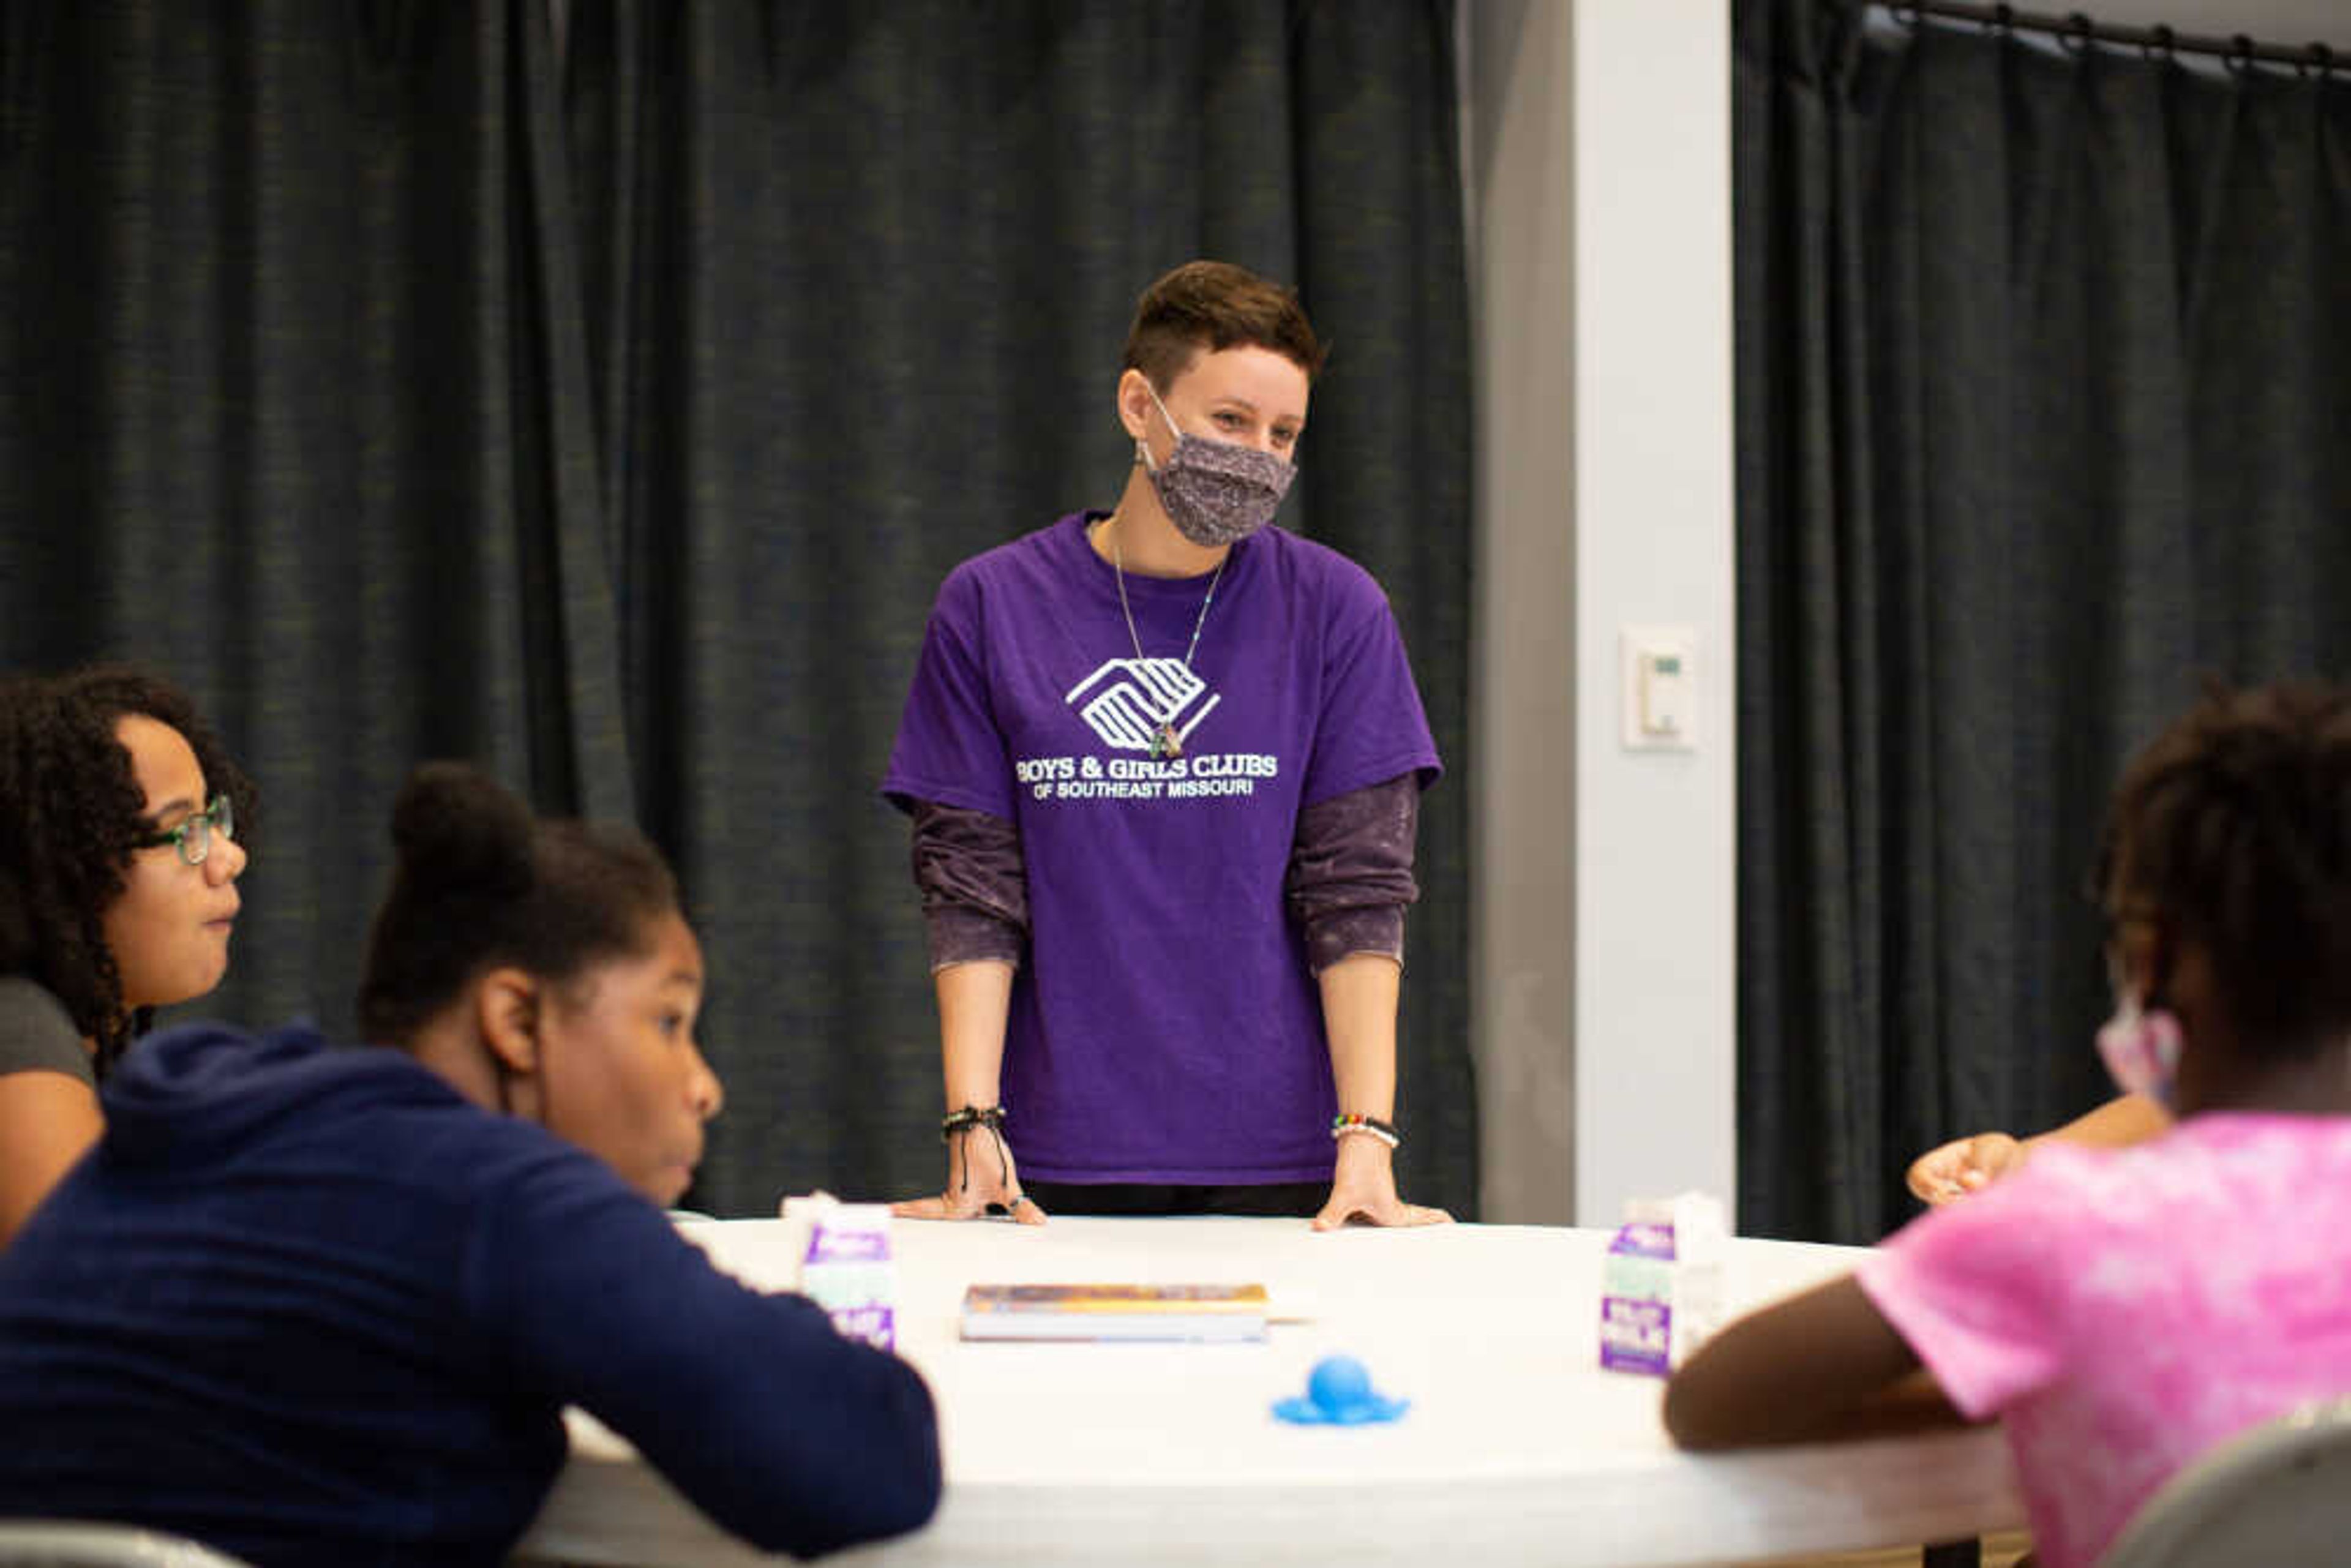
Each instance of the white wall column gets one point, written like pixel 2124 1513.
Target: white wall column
pixel 1521 145
pixel 1656 1009
pixel 1599 154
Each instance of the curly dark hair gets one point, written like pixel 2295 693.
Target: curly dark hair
pixel 71 812
pixel 478 883
pixel 2232 829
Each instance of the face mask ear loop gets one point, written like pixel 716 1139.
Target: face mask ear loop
pixel 2120 979
pixel 2157 979
pixel 1141 447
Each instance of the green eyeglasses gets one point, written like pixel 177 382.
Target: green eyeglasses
pixel 193 837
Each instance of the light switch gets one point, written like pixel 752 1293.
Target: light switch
pixel 1660 693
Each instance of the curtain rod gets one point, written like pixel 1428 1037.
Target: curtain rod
pixel 2238 49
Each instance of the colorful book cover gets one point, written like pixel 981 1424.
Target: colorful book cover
pixel 1116 1311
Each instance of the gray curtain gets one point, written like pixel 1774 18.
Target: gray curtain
pixel 283 413
pixel 860 278
pixel 407 391
pixel 2044 364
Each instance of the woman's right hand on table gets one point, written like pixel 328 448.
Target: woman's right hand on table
pixel 1964 1165
pixel 991 1192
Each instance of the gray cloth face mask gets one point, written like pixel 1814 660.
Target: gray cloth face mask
pixel 1215 491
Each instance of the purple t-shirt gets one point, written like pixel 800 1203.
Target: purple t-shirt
pixel 1164 1027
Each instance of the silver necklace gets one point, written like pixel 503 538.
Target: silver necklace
pixel 1165 743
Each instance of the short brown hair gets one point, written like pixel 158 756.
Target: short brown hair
pixel 1214 304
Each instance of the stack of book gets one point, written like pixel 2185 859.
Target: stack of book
pixel 1184 1312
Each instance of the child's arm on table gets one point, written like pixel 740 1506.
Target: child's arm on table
pixel 1819 1366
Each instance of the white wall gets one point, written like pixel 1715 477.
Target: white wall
pixel 1519 164
pixel 1599 151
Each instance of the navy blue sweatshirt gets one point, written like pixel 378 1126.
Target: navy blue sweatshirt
pixel 308 1304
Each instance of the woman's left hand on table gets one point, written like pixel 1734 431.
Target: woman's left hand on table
pixel 1364 1189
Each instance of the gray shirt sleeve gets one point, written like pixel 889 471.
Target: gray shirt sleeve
pixel 975 886
pixel 37 1033
pixel 1350 871
pixel 1349 877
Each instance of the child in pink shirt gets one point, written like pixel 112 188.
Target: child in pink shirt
pixel 2124 1309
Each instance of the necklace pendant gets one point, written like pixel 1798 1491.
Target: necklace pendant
pixel 1165 745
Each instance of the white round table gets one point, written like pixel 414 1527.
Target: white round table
pixel 1517 1448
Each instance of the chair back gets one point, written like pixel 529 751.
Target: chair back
pixel 2278 1492
pixel 71 1544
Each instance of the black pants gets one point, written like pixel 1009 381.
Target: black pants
pixel 1294 1199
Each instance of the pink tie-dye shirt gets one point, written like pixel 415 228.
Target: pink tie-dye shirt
pixel 2123 1310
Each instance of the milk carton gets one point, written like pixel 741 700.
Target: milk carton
pixel 846 1267
pixel 1661 1285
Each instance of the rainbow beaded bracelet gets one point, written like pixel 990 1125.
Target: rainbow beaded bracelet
pixel 1340 1125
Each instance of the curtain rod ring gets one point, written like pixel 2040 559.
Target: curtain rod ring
pixel 2240 58
pixel 2079 35
pixel 2156 46
pixel 2322 62
pixel 2003 21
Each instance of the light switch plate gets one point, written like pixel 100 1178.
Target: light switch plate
pixel 1659 703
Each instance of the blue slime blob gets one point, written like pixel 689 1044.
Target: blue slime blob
pixel 1339 1394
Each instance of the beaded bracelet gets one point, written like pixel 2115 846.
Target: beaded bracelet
pixel 1384 1132
pixel 971 1116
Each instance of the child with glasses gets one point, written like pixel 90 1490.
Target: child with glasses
pixel 312 1302
pixel 119 862
pixel 2123 1309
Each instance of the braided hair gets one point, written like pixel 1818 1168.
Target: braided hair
pixel 71 812
pixel 2233 829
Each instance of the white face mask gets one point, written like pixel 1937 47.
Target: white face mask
pixel 2140 1047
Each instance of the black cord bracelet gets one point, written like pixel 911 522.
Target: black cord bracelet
pixel 988 1117
pixel 971 1116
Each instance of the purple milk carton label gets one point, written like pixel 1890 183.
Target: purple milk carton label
pixel 840 1244
pixel 1635 1335
pixel 847 1271
pixel 1636 1292
pixel 1661 1283
pixel 1641 1239
pixel 875 1323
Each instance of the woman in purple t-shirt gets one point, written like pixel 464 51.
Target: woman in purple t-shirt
pixel 1164 765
